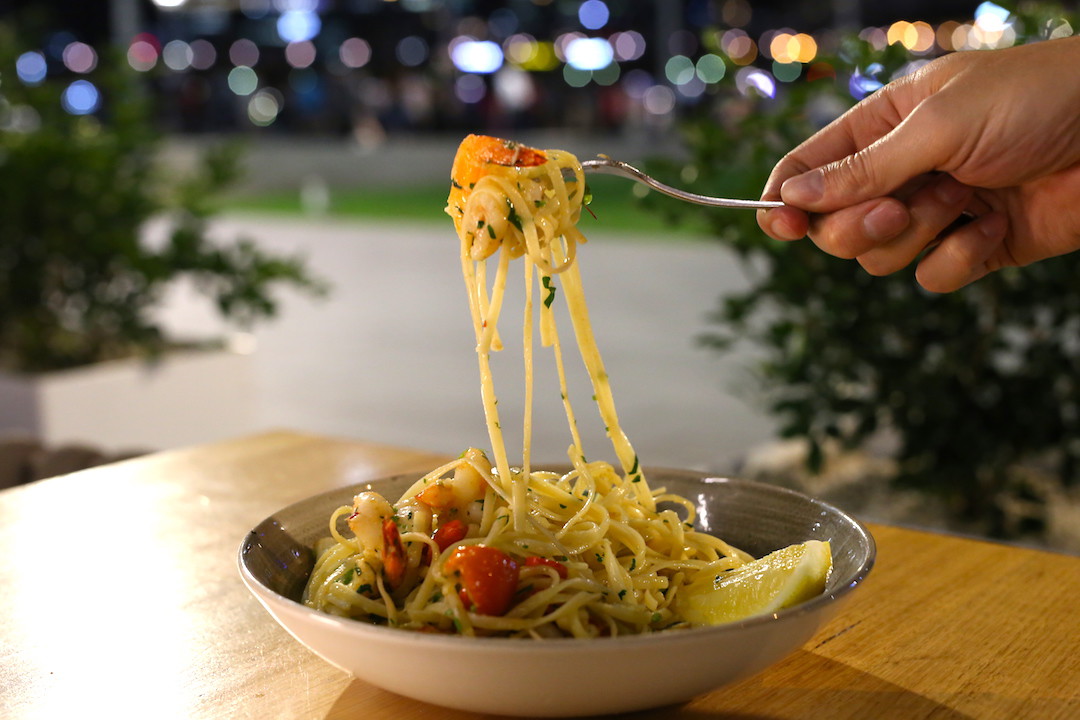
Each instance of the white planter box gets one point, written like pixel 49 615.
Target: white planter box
pixel 187 397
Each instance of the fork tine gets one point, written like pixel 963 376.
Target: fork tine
pixel 604 164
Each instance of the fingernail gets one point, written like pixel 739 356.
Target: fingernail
pixel 803 189
pixel 885 222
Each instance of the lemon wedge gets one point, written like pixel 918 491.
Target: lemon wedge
pixel 778 580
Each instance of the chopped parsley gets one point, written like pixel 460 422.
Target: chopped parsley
pixel 512 216
pixel 546 281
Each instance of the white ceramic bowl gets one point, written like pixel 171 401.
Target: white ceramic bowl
pixel 565 677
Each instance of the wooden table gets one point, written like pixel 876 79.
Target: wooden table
pixel 119 598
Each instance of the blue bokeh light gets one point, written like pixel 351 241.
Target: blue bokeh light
pixel 991 15
pixel 31 68
pixel 81 98
pixel 298 25
pixel 593 14
pixel 864 82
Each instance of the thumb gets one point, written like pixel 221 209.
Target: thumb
pixel 902 154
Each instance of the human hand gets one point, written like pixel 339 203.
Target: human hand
pixel 993 134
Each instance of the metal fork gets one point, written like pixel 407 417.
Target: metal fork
pixel 604 164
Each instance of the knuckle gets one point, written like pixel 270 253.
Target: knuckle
pixel 851 176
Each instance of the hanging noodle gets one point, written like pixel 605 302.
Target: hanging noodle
pixel 583 554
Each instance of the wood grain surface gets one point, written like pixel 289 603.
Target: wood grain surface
pixel 120 598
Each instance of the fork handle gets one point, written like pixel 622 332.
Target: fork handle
pixel 616 167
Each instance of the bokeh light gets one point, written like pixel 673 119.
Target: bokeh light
pixel 470 89
pixel 584 53
pixel 865 81
pixel 264 107
pixel 738 46
pixel 943 36
pixel 692 88
pixel 81 98
pixel 142 54
pixel 679 70
pixel 563 41
pixel 1058 28
pixel 875 37
pixel 355 52
pixel 658 100
pixel 786 47
pixel 787 71
pixel 531 54
pixel 298 25
pixel 991 17
pixel 608 75
pixel 177 55
pixel 514 88
pixel 412 51
pixel 79 58
pixel 710 68
pixel 754 81
pixel 515 52
pixel 502 22
pixel 203 54
pixel 629 45
pixel 519 49
pixel 243 80
pixel 19 118
pixel 593 14
pixel 476 56
pixel 244 52
pixel 31 68
pixel 576 77
pixel 917 37
pixel 300 54
pixel 636 82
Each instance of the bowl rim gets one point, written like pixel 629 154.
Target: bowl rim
pixel 459 642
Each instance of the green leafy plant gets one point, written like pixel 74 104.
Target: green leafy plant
pixel 977 391
pixel 78 281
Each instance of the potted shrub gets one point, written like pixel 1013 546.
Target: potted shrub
pixel 79 180
pixel 973 396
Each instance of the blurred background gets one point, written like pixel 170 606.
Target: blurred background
pixel 268 177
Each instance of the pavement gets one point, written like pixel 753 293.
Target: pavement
pixel 389 355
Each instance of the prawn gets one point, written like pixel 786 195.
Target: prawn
pixel 473 156
pixel 394 561
pixel 374 522
pixel 456 495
